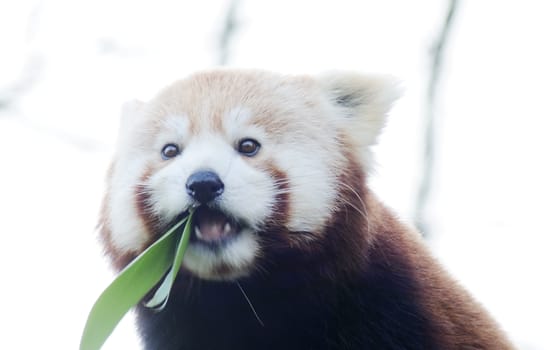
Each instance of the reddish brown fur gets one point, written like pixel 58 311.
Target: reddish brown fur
pixel 455 320
pixel 220 92
pixel 151 222
pixel 459 321
pixel 348 250
pixel 281 209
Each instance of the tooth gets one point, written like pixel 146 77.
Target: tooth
pixel 227 227
pixel 198 232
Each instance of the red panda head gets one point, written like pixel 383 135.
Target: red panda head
pixel 263 156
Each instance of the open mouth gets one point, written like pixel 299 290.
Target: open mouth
pixel 221 247
pixel 213 227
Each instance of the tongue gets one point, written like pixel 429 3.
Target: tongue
pixel 212 226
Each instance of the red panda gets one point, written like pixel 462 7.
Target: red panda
pixel 289 247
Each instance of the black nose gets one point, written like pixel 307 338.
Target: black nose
pixel 204 186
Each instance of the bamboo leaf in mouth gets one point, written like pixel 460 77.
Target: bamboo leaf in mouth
pixel 160 262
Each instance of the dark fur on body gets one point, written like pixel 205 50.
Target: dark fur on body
pixel 366 285
pixel 299 310
pixel 305 301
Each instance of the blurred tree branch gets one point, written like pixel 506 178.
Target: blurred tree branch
pixel 431 120
pixel 228 31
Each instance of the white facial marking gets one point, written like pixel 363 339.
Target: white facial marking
pixel 238 125
pixel 128 232
pixel 174 128
pixel 310 201
pixel 238 255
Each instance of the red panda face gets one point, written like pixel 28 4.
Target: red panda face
pixel 258 155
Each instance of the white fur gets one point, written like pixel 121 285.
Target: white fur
pixel 128 232
pixel 312 187
pixel 239 254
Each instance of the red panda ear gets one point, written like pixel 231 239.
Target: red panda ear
pixel 361 102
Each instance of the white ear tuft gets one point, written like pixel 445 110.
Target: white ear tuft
pixel 362 102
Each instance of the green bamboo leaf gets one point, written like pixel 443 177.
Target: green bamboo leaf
pixel 161 296
pixel 129 287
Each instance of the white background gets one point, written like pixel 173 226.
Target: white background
pixel 67 66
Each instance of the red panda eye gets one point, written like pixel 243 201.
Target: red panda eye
pixel 170 151
pixel 248 147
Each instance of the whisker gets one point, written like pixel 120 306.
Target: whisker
pixel 250 304
pixel 358 196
